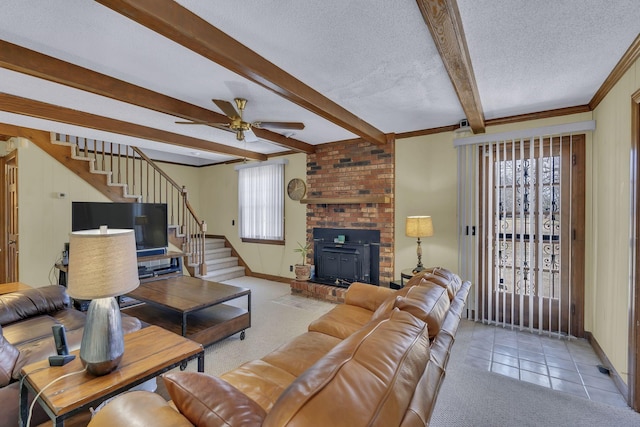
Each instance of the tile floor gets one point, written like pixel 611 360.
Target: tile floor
pixel 565 365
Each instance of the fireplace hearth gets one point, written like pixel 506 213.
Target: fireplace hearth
pixel 343 256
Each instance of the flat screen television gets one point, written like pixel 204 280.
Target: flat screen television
pixel 148 220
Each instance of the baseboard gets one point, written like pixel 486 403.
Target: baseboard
pixel 617 379
pixel 270 277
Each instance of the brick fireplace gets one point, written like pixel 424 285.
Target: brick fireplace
pixel 351 185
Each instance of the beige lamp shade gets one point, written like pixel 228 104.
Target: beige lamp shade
pixel 419 226
pixel 102 263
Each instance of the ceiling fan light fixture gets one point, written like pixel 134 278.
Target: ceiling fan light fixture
pixel 242 129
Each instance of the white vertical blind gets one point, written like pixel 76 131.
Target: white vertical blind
pixel 510 241
pixel 261 202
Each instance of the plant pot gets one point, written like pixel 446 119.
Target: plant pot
pixel 303 272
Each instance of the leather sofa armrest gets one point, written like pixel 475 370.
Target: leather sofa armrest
pixel 139 409
pixel 367 296
pixel 207 400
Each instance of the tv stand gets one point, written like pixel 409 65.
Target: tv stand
pixel 150 268
pixel 151 252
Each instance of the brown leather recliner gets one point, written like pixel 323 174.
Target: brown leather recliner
pixel 26 318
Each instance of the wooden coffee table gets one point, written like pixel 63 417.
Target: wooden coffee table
pixel 148 353
pixel 193 308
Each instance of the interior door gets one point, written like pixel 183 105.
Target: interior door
pixel 10 245
pixel 534 194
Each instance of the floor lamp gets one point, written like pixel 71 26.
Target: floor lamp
pixel 102 265
pixel 419 226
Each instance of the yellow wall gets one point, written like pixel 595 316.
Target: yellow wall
pixel 608 268
pixel 44 219
pixel 426 184
pixel 219 202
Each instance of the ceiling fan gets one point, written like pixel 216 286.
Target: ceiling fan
pixel 242 129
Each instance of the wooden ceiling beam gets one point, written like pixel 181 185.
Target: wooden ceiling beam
pixel 42 110
pixel 179 24
pixel 26 61
pixel 444 22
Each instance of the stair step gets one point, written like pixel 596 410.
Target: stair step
pixel 225 274
pixel 213 243
pixel 211 254
pixel 221 263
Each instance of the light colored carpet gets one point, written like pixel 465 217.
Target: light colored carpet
pixel 473 397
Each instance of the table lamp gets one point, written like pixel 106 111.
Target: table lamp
pixel 419 226
pixel 102 265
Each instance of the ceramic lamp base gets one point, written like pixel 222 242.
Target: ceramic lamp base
pixel 102 341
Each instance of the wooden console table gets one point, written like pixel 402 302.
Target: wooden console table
pixel 7 288
pixel 148 353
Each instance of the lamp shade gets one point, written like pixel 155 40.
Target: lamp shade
pixel 102 263
pixel 419 226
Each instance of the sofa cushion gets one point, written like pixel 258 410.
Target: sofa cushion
pixel 209 401
pixel 428 302
pixel 342 321
pixel 297 355
pixel 373 374
pixel 440 276
pixel 31 329
pixel 366 295
pixel 8 356
pixel 261 381
pixel 75 319
pixel 19 305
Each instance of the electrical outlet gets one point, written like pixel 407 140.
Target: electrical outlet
pixel 291 268
pixel 233 222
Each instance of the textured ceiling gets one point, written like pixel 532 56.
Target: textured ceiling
pixel 374 58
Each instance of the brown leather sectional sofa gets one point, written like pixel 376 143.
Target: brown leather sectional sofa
pixel 377 360
pixel 26 318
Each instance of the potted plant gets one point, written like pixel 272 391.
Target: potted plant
pixel 303 271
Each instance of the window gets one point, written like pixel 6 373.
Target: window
pixel 261 201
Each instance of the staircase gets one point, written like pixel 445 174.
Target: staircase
pixel 220 264
pixel 125 174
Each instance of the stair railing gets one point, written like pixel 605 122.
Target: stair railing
pixel 142 178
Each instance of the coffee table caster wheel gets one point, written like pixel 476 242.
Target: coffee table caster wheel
pixel 241 335
pixel 183 366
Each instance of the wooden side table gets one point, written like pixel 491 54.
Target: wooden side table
pixel 407 273
pixel 148 353
pixel 6 288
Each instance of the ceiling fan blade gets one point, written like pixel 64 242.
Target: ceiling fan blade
pixel 213 124
pixel 249 136
pixel 279 125
pixel 226 108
